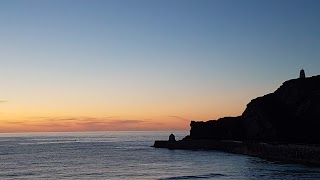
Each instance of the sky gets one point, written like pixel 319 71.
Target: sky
pixel 89 65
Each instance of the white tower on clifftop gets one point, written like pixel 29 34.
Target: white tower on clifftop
pixel 302 74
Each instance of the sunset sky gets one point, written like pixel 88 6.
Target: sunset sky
pixel 147 65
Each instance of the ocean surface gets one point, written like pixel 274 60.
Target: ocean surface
pixel 128 155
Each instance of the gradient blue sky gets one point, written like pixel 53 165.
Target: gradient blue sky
pixel 156 62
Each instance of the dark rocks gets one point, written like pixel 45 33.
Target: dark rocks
pixel 281 126
pixel 290 114
pixel 291 153
pixel 227 128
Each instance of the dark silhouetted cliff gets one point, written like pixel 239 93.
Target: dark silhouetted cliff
pixel 290 114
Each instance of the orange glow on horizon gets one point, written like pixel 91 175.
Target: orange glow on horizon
pixel 46 117
pixel 65 124
pixel 85 123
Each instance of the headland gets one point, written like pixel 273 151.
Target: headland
pixel 283 126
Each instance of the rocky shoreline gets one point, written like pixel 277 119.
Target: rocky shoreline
pixel 290 153
pixel 280 126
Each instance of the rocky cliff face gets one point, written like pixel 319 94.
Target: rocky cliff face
pixel 290 114
pixel 227 128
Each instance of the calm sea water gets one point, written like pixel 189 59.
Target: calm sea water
pixel 128 155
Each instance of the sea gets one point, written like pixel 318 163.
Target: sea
pixel 129 155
